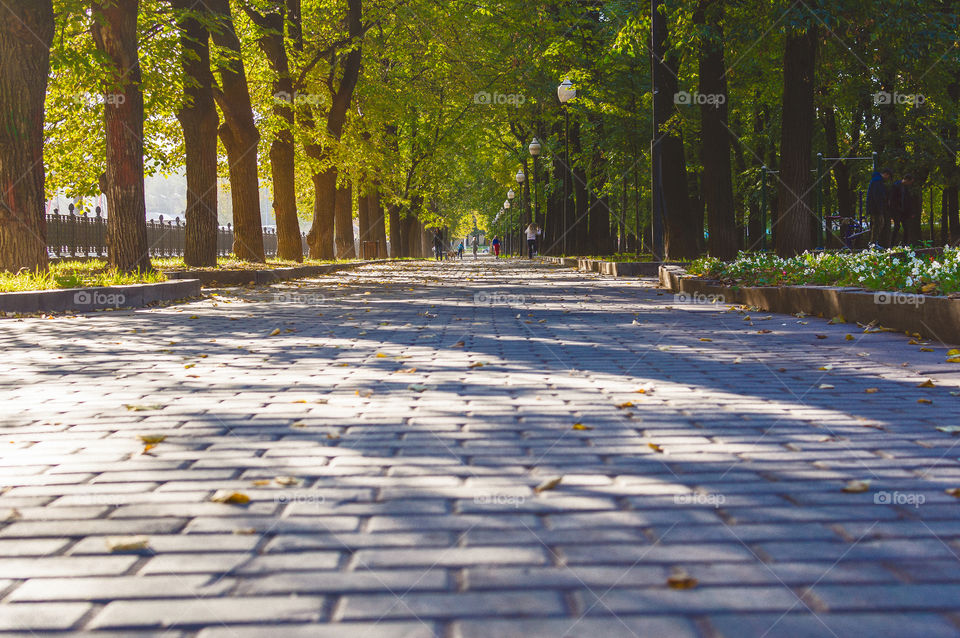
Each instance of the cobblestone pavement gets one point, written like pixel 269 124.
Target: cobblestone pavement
pixel 399 432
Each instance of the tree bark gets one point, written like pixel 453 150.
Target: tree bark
pixel 343 223
pixel 199 121
pixel 724 238
pixel 282 170
pixel 115 35
pixel 26 31
pixel 794 219
pixel 322 232
pixel 364 229
pixel 240 137
pixel 396 231
pixel 378 227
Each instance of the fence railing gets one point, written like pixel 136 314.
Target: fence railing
pixel 85 236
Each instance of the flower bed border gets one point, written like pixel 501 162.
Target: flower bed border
pixel 932 316
pixel 612 268
pixel 93 298
pixel 242 277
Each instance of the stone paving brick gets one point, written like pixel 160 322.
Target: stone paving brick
pixel 732 472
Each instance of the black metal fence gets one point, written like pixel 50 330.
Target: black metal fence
pixel 85 236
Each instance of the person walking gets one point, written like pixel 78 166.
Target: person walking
pixel 460 249
pixel 877 203
pixel 531 232
pixel 496 247
pixel 476 241
pixel 900 209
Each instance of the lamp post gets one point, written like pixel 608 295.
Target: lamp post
pixel 521 178
pixel 534 149
pixel 565 93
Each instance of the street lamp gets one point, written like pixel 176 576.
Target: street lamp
pixel 511 194
pixel 506 204
pixel 565 93
pixel 534 149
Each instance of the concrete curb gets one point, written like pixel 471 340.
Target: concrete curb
pixel 612 268
pixel 931 316
pixel 211 278
pixel 97 298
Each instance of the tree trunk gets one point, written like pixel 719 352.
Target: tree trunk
pixel 322 231
pixel 240 137
pixel 26 31
pixel 115 34
pixel 681 229
pixel 282 170
pixel 794 220
pixel 724 238
pixel 363 222
pixel 199 121
pixel 396 231
pixel 378 227
pixel 343 223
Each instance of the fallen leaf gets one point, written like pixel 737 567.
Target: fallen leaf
pixel 949 429
pixel 458 344
pixel 926 350
pixel 189 365
pixel 953 353
pixel 764 331
pixel 925 401
pixel 928 288
pixel 837 319
pixel 364 393
pixel 827 367
pixel 581 426
pixel 953 359
pixel 738 360
pixel 855 487
pixel 680 579
pixel 287 480
pixel 127 543
pixel 821 336
pixel 142 408
pixel 872 390
pixel 380 355
pixel 416 387
pixel 625 405
pixel 826 386
pixel 953 491
pixel 705 339
pixel 299 401
pixel 927 384
pixel 849 337
pixel 332 435
pixel 245 530
pixel 152 438
pixel 655 448
pixel 275 332
pixel 476 364
pixel 548 484
pixel 230 497
pixel 261 482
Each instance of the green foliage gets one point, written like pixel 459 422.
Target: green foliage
pixel 74 274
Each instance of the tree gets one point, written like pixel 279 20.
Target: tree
pixel 115 34
pixel 26 31
pixel 794 219
pixel 240 137
pixel 199 120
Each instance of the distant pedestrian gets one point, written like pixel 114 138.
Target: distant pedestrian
pixel 496 247
pixel 877 202
pixel 460 250
pixel 476 240
pixel 532 232
pixel 901 209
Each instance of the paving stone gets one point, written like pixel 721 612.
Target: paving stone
pixel 207 611
pixel 33 617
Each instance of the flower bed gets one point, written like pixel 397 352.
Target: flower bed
pixel 874 269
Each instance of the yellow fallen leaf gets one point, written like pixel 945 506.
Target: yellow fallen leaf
pixel 477 364
pixel 953 360
pixel 152 438
pixel 827 367
pixel 230 497
pixel 581 426
pixel 953 491
pixel 127 543
pixel 458 344
pixel 143 408
pixel 332 435
pixel 548 484
pixel 953 352
pixel 872 390
pixel 364 393
pixel 189 365
pixel 245 530
pixel 680 579
pixel 838 319
pixel 913 342
pixel 849 337
pixel 926 349
pixel 625 405
pixel 927 384
pixel 764 332
pixel 287 480
pixel 855 487
pixel 380 355
pixel 928 288
pixel 655 448
pixel 262 482
pixel 275 332
pixel 299 401
pixel 927 401
pixel 705 339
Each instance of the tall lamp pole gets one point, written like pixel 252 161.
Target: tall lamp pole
pixel 658 36
pixel 566 92
pixel 521 178
pixel 534 149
